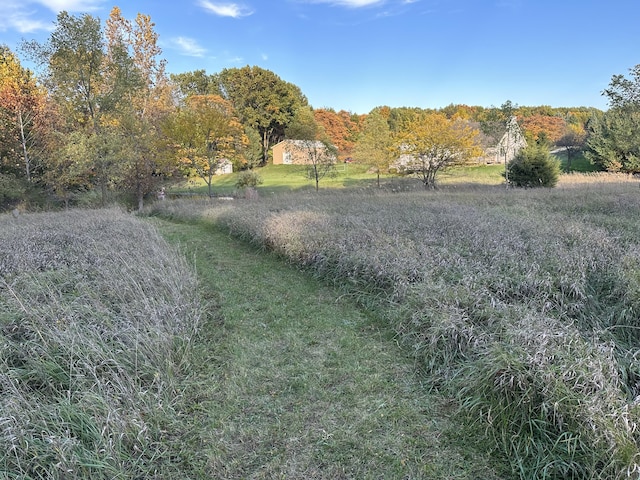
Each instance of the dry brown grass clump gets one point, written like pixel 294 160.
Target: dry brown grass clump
pixel 522 303
pixel 96 317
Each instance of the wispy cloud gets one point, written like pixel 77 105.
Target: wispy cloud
pixel 234 10
pixel 16 17
pixel 350 3
pixel 26 16
pixel 188 46
pixel 70 5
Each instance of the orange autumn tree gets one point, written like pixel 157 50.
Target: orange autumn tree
pixel 341 128
pixel 540 128
pixel 206 132
pixel 22 106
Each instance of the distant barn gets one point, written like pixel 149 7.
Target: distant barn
pixel 295 152
pixel 509 145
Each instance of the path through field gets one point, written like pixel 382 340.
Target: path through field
pixel 296 382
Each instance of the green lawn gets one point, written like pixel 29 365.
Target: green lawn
pixel 285 178
pixel 579 163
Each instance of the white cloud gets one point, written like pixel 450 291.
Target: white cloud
pixel 188 46
pixel 351 3
pixel 70 5
pixel 26 17
pixel 16 17
pixel 234 10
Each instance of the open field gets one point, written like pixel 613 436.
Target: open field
pixel 497 331
pixel 520 305
pixel 116 363
pixel 285 178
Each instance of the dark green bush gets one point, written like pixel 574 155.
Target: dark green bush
pixel 533 166
pixel 12 191
pixel 248 179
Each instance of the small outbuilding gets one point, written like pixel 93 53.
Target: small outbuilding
pixel 225 166
pixel 296 152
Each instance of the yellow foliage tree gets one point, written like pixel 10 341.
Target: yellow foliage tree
pixel 429 143
pixel 206 133
pixel 22 101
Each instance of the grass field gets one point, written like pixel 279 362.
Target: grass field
pixel 297 382
pixel 520 305
pixel 97 319
pixel 285 178
pixel 116 363
pixel 468 332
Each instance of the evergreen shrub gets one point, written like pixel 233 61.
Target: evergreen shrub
pixel 532 167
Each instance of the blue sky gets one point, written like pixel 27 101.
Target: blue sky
pixel 358 54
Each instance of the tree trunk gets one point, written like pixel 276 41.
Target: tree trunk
pixel 140 195
pixel 23 141
pixel 265 146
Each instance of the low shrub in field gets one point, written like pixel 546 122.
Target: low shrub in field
pixel 96 317
pixel 522 304
pixel 533 167
pixel 248 179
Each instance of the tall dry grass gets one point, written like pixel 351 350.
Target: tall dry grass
pixel 522 304
pixel 96 319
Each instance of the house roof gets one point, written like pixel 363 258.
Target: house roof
pixel 301 143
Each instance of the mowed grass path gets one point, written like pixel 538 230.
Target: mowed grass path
pixel 294 381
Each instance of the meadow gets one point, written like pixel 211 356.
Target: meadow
pixel 520 305
pixel 468 332
pixel 97 319
pixel 279 179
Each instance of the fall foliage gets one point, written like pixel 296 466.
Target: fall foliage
pixel 341 127
pixel 430 142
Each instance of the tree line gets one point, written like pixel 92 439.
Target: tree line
pixel 104 119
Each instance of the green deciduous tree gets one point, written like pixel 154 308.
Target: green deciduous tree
pixel 431 143
pixel 74 56
pixel 262 100
pixel 206 132
pixel 375 144
pixel 75 77
pixel 252 153
pixel 194 83
pixel 69 170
